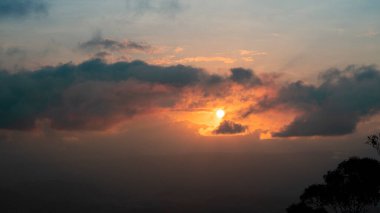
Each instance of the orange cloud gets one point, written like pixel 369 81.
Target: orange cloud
pixel 252 53
pixel 179 50
pixel 225 60
pixel 172 59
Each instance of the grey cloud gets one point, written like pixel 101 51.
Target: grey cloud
pixel 100 44
pixel 229 127
pixel 28 96
pixel 335 107
pixel 245 76
pixel 22 8
pixel 94 95
pixel 138 46
pixel 96 105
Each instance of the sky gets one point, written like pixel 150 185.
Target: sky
pixel 96 88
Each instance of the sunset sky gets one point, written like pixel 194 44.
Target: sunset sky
pixel 87 78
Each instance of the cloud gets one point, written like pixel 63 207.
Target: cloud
pixel 225 60
pixel 335 107
pixel 172 59
pixel 138 46
pixel 245 76
pixel 73 93
pixel 252 53
pixel 22 8
pixel 95 95
pixel 248 59
pixel 97 105
pixel 100 44
pixel 229 127
pixel 164 7
pixel 179 49
pixel 249 55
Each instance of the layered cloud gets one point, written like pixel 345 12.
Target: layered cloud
pixel 113 50
pixel 335 107
pixel 100 44
pixel 225 60
pixel 22 8
pixel 95 95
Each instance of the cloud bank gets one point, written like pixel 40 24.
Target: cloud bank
pixel 335 107
pixel 99 44
pixel 95 95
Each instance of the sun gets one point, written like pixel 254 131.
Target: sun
pixel 220 113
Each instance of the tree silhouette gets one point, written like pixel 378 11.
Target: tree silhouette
pixel 374 141
pixel 351 188
pixel 303 208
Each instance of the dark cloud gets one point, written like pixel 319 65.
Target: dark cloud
pixel 138 46
pixel 95 95
pixel 89 95
pixel 100 44
pixel 98 105
pixel 335 107
pixel 229 127
pixel 245 76
pixel 165 7
pixel 22 8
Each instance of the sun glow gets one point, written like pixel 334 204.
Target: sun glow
pixel 220 113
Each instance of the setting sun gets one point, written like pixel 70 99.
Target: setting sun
pixel 220 113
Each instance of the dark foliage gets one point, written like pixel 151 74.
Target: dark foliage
pixel 351 188
pixel 303 208
pixel 373 140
